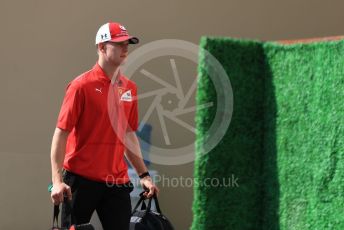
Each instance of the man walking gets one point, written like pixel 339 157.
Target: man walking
pixel 95 130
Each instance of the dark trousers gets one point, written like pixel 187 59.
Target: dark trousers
pixel 112 203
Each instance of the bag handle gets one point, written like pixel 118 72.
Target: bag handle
pixel 148 208
pixel 86 226
pixel 56 217
pixel 139 202
pixel 156 204
pixel 69 221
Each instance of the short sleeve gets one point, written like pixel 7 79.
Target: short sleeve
pixel 133 116
pixel 71 108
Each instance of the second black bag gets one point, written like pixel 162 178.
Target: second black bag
pixel 144 218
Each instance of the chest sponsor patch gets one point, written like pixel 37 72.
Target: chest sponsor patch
pixel 126 96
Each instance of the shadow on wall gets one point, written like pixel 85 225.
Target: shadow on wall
pixel 271 187
pixel 247 151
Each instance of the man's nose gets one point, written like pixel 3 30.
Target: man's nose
pixel 125 48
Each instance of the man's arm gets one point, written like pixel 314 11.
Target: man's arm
pixel 134 155
pixel 58 149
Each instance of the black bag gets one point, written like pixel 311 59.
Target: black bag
pixel 146 219
pixel 72 227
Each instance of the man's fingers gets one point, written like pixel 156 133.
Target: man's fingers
pixel 69 192
pixel 61 198
pixel 151 192
pixel 55 198
pixel 55 202
pixel 59 192
pixel 157 191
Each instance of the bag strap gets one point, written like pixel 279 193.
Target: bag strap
pixel 56 217
pixel 157 204
pixel 141 200
pixel 67 222
pixel 148 208
pixel 157 207
pixel 87 226
pixel 69 219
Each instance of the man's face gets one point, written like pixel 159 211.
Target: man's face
pixel 116 52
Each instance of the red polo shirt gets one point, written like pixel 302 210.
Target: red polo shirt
pixel 98 113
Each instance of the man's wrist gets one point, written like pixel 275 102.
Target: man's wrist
pixel 57 182
pixel 143 175
pixel 58 177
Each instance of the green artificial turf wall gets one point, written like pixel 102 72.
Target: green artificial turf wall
pixel 285 142
pixel 239 153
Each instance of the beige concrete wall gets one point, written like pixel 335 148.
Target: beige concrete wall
pixel 44 44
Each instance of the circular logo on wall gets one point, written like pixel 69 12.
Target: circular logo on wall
pixel 167 69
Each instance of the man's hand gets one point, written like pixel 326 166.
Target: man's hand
pixel 148 184
pixel 58 191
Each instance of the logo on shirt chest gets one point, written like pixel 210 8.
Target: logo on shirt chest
pixel 99 90
pixel 125 96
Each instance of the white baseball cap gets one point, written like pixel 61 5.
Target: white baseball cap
pixel 114 32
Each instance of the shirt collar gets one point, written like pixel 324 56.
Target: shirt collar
pixel 100 74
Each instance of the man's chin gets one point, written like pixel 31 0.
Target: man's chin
pixel 124 60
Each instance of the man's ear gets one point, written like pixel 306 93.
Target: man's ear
pixel 101 47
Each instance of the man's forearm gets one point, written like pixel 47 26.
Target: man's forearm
pixel 133 153
pixel 137 162
pixel 58 148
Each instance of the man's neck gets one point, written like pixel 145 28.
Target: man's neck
pixel 111 71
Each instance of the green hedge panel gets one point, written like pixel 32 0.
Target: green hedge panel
pixel 285 141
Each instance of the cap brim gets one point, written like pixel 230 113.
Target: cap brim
pixel 131 39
